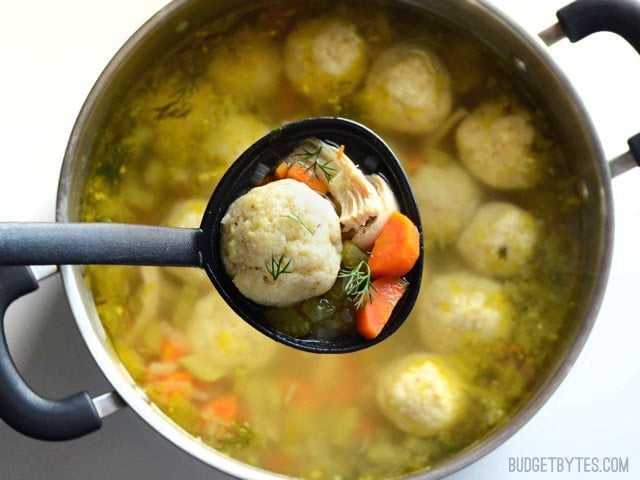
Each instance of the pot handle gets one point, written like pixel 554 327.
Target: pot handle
pixel 584 17
pixel 20 407
pixel 580 19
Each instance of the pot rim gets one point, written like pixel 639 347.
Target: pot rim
pixel 99 346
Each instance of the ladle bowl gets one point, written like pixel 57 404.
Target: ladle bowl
pixel 125 244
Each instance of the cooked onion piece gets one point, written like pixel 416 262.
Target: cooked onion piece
pixel 407 90
pixel 448 197
pixel 325 59
pixel 420 395
pixel 461 309
pixel 496 142
pixel 281 243
pixel 500 239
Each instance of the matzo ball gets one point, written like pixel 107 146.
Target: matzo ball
pixel 281 243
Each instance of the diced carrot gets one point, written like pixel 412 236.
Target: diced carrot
pixel 159 370
pixel 299 392
pixel 278 462
pixel 366 427
pixel 172 349
pixel 413 163
pixel 305 175
pixel 281 171
pixel 178 384
pixel 225 407
pixel 288 101
pixel 371 319
pixel 346 374
pixel 397 248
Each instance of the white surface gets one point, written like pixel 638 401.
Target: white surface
pixel 50 55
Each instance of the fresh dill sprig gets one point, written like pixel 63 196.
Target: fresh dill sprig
pixel 310 159
pixel 237 436
pixel 191 64
pixel 277 266
pixel 297 217
pixel 328 170
pixel 178 106
pixel 359 285
pixel 113 163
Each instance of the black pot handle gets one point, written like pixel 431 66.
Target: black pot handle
pixel 20 407
pixel 584 17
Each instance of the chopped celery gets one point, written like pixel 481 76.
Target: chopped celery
pixel 318 309
pixel 203 366
pixel 152 338
pixel 289 322
pixel 132 361
pixel 352 255
pixel 337 294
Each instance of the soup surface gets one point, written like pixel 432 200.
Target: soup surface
pixel 499 212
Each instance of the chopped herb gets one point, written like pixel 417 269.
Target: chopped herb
pixel 113 166
pixel 191 67
pixel 310 159
pixel 178 106
pixel 358 286
pixel 237 438
pixel 276 132
pixel 277 266
pixel 307 155
pixel 296 217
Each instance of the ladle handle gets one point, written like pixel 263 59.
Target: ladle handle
pixel 98 243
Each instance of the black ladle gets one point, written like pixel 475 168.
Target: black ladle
pixel 123 244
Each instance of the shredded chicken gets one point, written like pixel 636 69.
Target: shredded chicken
pixel 365 237
pixel 365 202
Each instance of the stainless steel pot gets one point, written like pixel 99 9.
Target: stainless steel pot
pixel 80 414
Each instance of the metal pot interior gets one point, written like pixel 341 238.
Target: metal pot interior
pixel 509 43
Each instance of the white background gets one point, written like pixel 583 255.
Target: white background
pixel 50 55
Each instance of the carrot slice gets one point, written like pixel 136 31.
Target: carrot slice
pixel 278 462
pixel 177 384
pixel 225 407
pixel 305 175
pixel 413 162
pixel 289 100
pixel 298 391
pixel 375 314
pixel 397 248
pixel 281 171
pixel 172 350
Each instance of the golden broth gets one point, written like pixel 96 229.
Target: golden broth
pixel 167 145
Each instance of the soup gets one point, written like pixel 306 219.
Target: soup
pixel 499 214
